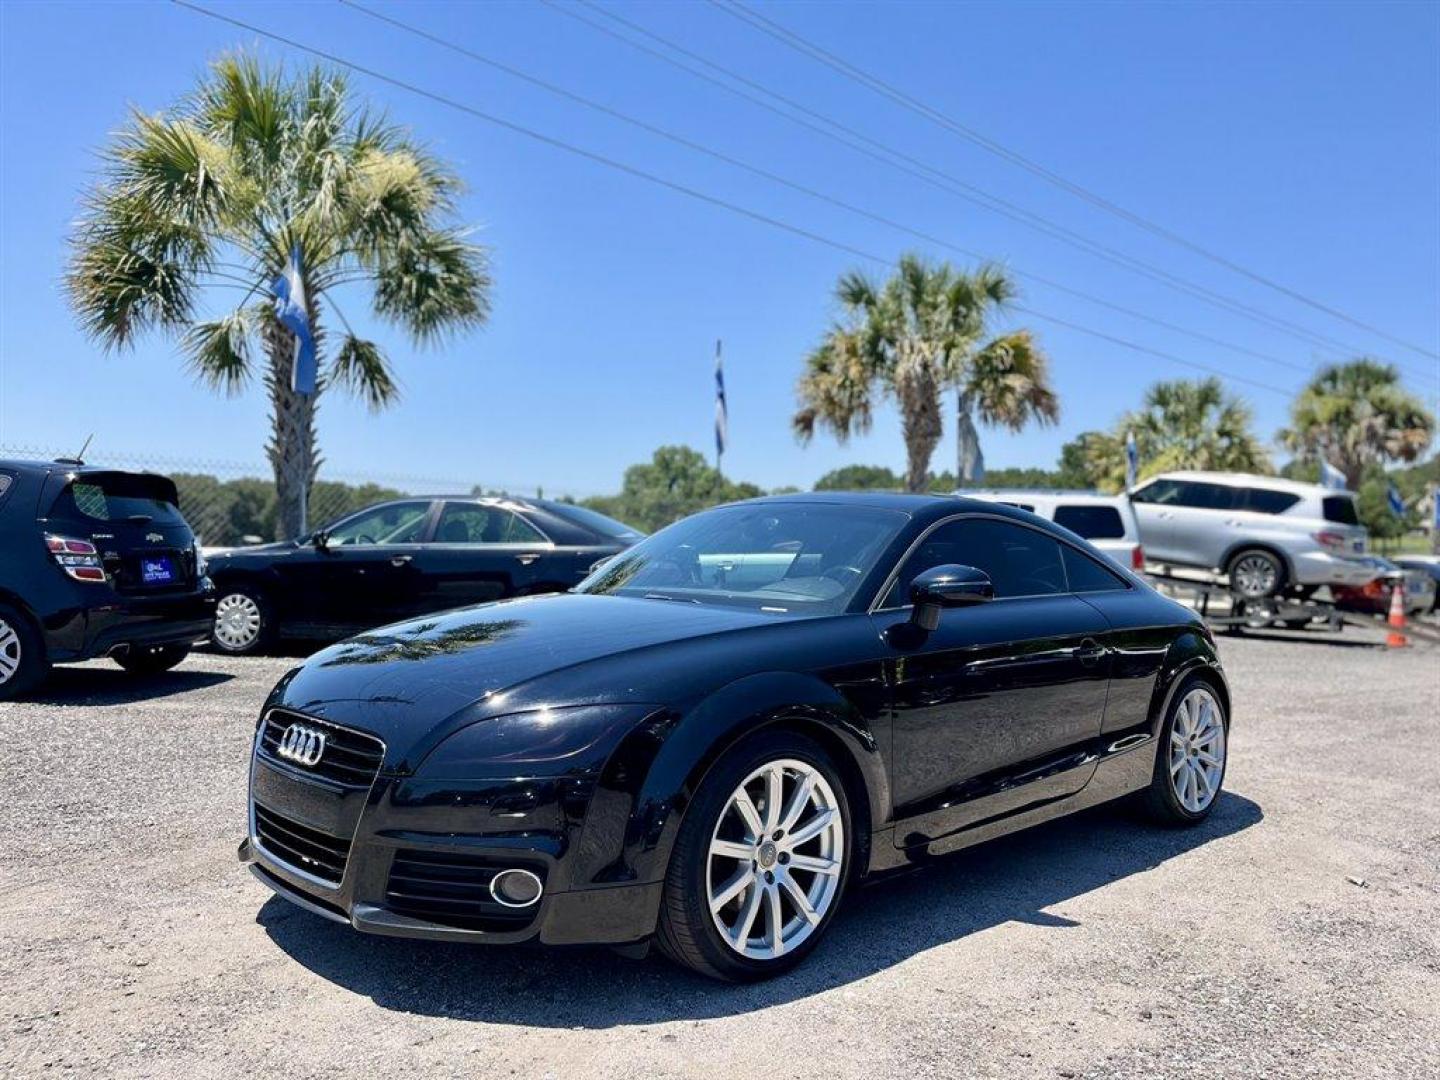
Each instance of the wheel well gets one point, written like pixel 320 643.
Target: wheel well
pixel 857 791
pixel 1268 549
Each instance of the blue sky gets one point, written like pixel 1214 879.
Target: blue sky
pixel 1302 141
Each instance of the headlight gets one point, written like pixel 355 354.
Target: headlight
pixel 542 741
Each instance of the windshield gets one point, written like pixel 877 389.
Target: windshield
pixel 783 558
pixel 595 521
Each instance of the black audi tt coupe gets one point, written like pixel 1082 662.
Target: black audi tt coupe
pixel 720 730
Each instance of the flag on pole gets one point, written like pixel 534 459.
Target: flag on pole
pixel 293 313
pixel 1132 460
pixel 1395 499
pixel 1330 476
pixel 722 417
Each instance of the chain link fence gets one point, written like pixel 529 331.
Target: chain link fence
pixel 229 503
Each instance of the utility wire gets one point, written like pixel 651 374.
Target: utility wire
pixel 841 132
pixel 738 10
pixel 821 196
pixel 671 185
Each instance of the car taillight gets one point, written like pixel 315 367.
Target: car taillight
pixel 78 558
pixel 1137 558
pixel 1332 540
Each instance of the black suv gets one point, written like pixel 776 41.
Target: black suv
pixel 94 562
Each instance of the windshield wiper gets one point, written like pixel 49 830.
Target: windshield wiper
pixel 676 599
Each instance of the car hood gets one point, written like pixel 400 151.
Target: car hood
pixel 403 681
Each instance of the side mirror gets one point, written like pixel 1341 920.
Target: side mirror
pixel 321 540
pixel 947 586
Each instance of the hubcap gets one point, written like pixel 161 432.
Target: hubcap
pixel 1255 576
pixel 775 859
pixel 9 651
pixel 1197 750
pixel 237 621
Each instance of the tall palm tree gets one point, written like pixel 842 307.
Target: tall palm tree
pixel 1184 424
pixel 1355 415
pixel 208 199
pixel 909 338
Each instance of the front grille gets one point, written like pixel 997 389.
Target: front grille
pixel 351 758
pixel 454 890
pixel 301 847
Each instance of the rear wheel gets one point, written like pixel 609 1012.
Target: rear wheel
pixel 151 659
pixel 22 654
pixel 760 863
pixel 1256 574
pixel 1190 761
pixel 242 621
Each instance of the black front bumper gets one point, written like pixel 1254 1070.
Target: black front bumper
pixel 120 621
pixel 406 858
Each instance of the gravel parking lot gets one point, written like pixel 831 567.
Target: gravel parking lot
pixel 1296 933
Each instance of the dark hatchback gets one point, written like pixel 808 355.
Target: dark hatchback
pixel 403 559
pixel 718 732
pixel 94 562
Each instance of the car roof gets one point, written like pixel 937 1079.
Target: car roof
pixel 1235 479
pixel 922 507
pixel 1044 495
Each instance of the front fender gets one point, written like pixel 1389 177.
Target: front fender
pixel 650 779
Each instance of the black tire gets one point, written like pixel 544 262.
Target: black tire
pixel 1161 802
pixel 23 664
pixel 687 933
pixel 1256 574
pixel 232 644
pixel 151 659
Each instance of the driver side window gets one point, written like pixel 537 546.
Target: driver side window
pixel 1020 561
pixel 392 523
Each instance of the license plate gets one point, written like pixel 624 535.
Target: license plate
pixel 159 571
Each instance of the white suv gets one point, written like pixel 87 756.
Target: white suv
pixel 1265 534
pixel 1105 520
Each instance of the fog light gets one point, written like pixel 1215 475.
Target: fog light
pixel 515 888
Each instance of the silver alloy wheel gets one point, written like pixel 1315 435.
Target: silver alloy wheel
pixel 1255 576
pixel 237 621
pixel 776 858
pixel 9 652
pixel 1197 750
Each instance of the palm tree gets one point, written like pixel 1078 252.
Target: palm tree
pixel 1355 415
pixel 1182 424
pixel 212 196
pixel 911 337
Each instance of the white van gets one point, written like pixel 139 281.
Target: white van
pixel 1107 521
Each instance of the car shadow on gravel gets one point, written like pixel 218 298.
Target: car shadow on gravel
pixel 1013 879
pixel 94 685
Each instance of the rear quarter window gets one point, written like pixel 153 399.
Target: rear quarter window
pixel 6 480
pixel 1091 522
pixel 1085 575
pixel 1340 509
pixel 1264 501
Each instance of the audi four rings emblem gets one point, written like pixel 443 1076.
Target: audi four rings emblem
pixel 302 745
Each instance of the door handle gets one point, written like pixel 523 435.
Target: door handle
pixel 1090 651
pixel 400 560
pixel 526 559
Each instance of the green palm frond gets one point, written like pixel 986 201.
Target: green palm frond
pixel 433 284
pixel 1009 382
pixel 362 368
pixel 218 351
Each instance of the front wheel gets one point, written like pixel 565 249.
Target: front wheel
pixel 151 659
pixel 1190 761
pixel 760 863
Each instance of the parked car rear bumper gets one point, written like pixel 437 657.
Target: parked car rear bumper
pixel 120 621
pixel 1323 568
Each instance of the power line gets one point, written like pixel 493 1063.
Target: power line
pixel 912 166
pixel 671 185
pixel 810 192
pixel 738 10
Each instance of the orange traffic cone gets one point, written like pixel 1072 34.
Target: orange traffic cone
pixel 1396 638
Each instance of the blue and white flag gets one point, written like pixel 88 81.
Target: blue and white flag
pixel 293 313
pixel 1132 460
pixel 1395 499
pixel 1330 476
pixel 722 416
